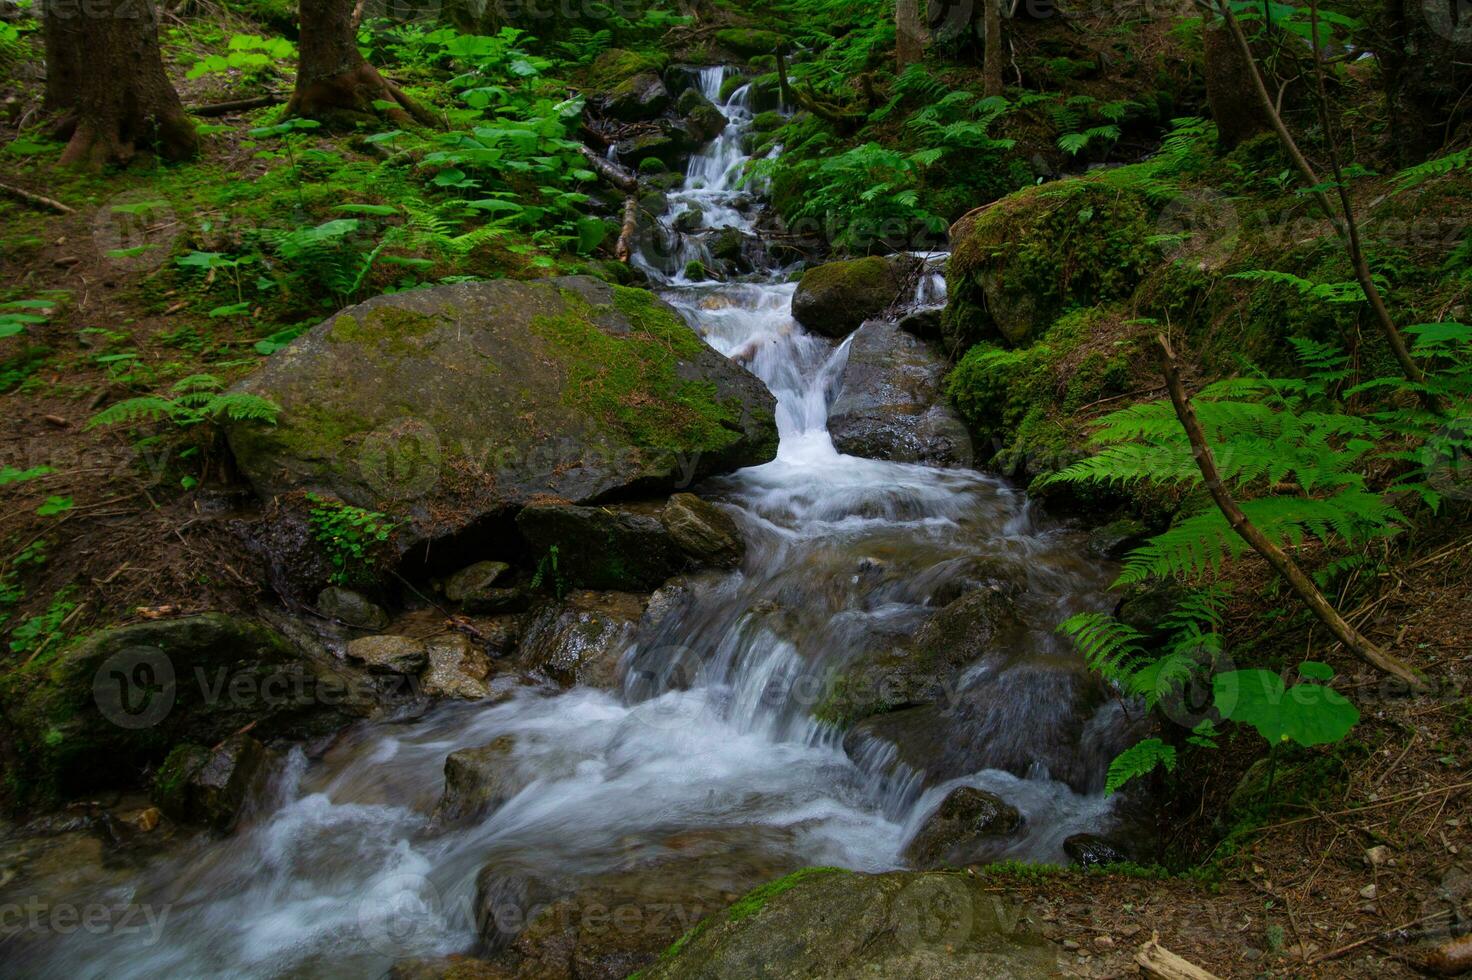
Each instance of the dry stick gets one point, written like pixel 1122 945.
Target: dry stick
pixel 625 181
pixel 1285 566
pixel 624 250
pixel 35 200
pixel 1346 227
pixel 1155 960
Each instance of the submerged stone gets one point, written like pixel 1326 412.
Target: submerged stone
pixel 962 828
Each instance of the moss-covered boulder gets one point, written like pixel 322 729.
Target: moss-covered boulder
pixel 822 922
pixel 892 404
pixel 750 42
pixel 97 713
pixel 616 547
pixel 1019 263
pixel 834 299
pixel 447 406
pixel 704 121
pixel 639 97
pixel 617 65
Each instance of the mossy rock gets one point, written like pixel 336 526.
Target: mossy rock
pixel 617 65
pixel 750 42
pixel 99 712
pixel 447 406
pixel 831 923
pixel 834 299
pixel 1016 265
pixel 611 547
pixel 638 97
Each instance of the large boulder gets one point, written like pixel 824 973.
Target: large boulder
pixel 580 639
pixel 1020 262
pixel 892 404
pixel 835 298
pixel 640 96
pixel 822 922
pixel 445 407
pixel 98 712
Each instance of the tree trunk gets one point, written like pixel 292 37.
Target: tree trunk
pixel 991 68
pixel 103 66
pixel 911 31
pixel 1425 50
pixel 333 82
pixel 1229 88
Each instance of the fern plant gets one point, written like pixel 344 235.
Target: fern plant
pixel 196 399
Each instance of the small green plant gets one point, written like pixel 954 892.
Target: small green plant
pixel 196 399
pixel 36 633
pixel 548 572
pixel 350 535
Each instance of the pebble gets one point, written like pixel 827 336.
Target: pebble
pixel 1377 856
pixel 1369 891
pixel 1069 944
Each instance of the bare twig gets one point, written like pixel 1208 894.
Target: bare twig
pixel 35 200
pixel 1360 645
pixel 1155 960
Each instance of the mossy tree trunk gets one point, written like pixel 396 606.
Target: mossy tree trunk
pixel 104 69
pixel 334 83
pixel 1229 88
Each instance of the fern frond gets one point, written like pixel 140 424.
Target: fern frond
pixel 148 408
pixel 1140 759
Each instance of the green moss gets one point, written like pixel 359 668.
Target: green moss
pixel 615 66
pixel 751 903
pixel 387 328
pixel 749 42
pixel 633 382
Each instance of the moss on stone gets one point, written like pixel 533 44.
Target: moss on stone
pixel 634 382
pixel 617 65
pixel 750 42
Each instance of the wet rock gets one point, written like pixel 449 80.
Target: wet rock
pixel 451 405
pixel 97 713
pixel 1145 607
pixel 892 403
pixel 703 119
pixel 351 609
pixel 469 582
pixel 731 249
pixel 706 534
pixel 1117 538
pixel 1091 850
pixel 925 324
pixel 457 668
pixel 689 220
pixel 668 143
pixel 1024 718
pixel 579 639
pixel 196 785
pixel 390 654
pixel 836 298
pixel 614 547
pixel 904 675
pixel 638 97
pixel 961 577
pixel 830 923
pixel 478 781
pixel 959 831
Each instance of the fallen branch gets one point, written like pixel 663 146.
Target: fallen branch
pixel 1358 644
pixel 35 200
pixel 625 248
pixel 239 105
pixel 619 177
pixel 1155 960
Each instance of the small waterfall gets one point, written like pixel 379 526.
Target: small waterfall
pixel 341 873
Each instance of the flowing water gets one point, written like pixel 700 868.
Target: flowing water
pixel 339 871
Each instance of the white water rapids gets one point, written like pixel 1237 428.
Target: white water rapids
pixel 339 873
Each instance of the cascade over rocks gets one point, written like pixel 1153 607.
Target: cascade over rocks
pixel 447 406
pixel 892 404
pixel 836 298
